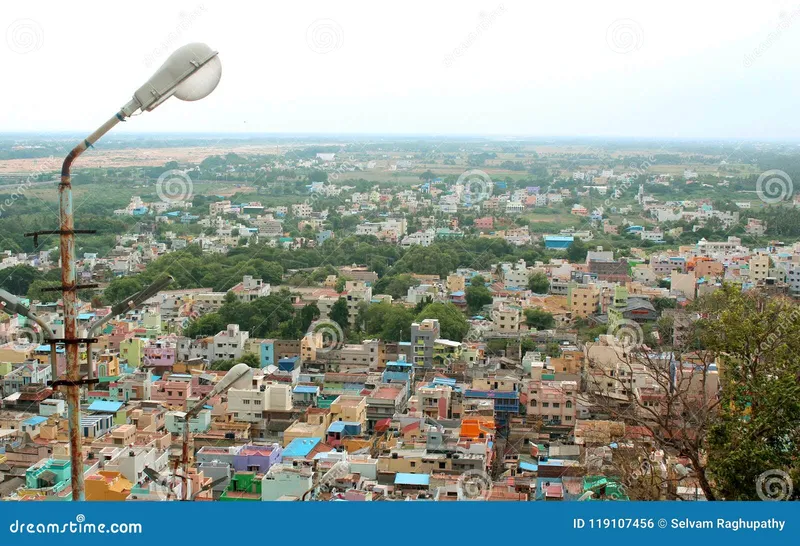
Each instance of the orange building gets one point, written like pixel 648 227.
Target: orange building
pixel 107 486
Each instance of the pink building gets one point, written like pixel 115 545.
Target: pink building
pixel 487 222
pixel 553 401
pixel 159 355
pixel 120 333
pixel 172 393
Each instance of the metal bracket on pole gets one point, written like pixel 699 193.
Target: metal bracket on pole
pixel 69 288
pixel 69 383
pixel 35 234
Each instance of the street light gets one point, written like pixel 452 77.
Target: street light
pixel 234 374
pixel 190 73
pixel 12 304
pixel 128 304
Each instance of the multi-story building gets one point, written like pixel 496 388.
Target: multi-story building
pixel 423 337
pixel 28 372
pixel 553 401
pixel 506 318
pixel 583 299
pixel 229 344
pixel 759 267
pixel 250 289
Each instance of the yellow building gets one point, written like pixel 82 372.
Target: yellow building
pixel 350 408
pixel 455 283
pixel 131 350
pixel 16 354
pixel 583 300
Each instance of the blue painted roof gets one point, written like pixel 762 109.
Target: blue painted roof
pixel 562 238
pixel 529 467
pixel 85 316
pixel 108 407
pixel 340 426
pixel 35 420
pixel 46 349
pixel 300 447
pixel 404 478
pixel 306 389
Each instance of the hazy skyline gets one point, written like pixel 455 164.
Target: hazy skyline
pixel 611 69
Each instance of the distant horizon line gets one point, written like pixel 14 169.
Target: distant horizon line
pixel 471 136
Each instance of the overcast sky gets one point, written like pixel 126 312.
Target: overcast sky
pixel 640 69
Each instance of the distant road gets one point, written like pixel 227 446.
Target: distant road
pixel 9 184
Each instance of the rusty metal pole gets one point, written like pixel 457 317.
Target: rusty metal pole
pixel 69 287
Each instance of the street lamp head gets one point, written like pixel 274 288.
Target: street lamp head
pixel 191 73
pixel 233 375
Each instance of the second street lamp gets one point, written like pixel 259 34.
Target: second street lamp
pixel 191 73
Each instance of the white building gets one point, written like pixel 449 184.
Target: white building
pixel 229 344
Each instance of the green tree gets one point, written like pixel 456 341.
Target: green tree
pixel 37 292
pixel 251 359
pixel 207 325
pixel 340 284
pixel 664 303
pixel 388 322
pixel 452 322
pixel 340 314
pixel 756 431
pixel 478 280
pixel 538 283
pixel 308 314
pixel 477 297
pixel 539 319
pixel 395 285
pixel 18 279
pixel 577 251
pixel 121 288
